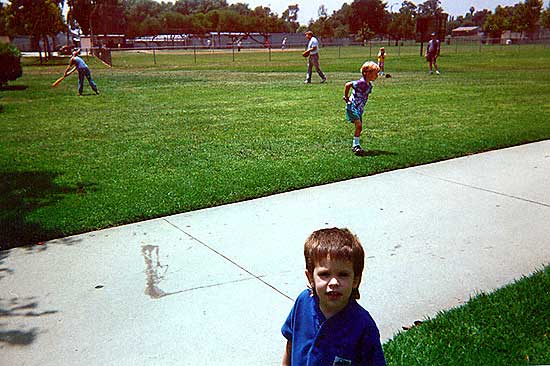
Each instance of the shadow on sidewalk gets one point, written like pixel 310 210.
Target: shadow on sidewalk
pixel 15 306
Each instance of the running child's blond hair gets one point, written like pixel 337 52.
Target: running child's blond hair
pixel 370 66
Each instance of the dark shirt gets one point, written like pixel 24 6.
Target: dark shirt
pixel 350 337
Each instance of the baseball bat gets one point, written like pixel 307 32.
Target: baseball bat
pixel 58 81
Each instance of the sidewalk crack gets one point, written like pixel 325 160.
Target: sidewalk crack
pixel 257 277
pixel 485 190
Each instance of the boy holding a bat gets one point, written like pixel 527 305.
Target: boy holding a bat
pixel 83 72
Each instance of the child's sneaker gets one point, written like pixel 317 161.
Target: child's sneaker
pixel 358 150
pixel 437 72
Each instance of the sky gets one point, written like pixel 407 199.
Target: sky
pixel 308 8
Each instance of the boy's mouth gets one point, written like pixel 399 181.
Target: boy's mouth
pixel 333 295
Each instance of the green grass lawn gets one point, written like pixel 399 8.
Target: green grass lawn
pixel 182 135
pixel 508 327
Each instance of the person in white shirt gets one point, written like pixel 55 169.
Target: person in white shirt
pixel 432 53
pixel 313 53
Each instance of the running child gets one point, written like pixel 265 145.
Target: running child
pixel 356 103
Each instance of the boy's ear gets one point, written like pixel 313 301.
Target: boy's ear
pixel 309 277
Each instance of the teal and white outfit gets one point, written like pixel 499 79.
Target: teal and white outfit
pixel 361 90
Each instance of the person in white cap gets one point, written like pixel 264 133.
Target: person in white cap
pixel 432 53
pixel 83 72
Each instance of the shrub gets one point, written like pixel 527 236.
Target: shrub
pixel 10 59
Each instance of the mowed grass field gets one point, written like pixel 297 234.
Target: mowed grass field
pixel 176 133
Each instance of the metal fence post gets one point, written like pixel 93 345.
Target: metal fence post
pixel 154 57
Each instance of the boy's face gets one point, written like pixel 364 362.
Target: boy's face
pixel 333 281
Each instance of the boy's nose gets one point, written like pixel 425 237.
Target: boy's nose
pixel 333 282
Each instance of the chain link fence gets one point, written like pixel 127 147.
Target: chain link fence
pixel 232 53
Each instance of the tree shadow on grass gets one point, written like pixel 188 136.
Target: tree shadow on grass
pixel 13 87
pixel 22 193
pixel 377 153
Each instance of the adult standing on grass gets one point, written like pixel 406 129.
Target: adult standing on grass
pixel 83 72
pixel 312 52
pixel 432 53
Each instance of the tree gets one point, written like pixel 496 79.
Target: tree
pixel 323 27
pixel 79 14
pixel 480 16
pixel 526 16
pixel 103 16
pixel 108 17
pixel 240 8
pixel 38 19
pixel 498 22
pixel 190 7
pixel 402 24
pixel 340 21
pixel 368 18
pixel 430 8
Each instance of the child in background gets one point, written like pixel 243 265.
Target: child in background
pixel 83 72
pixel 327 326
pixel 381 57
pixel 359 97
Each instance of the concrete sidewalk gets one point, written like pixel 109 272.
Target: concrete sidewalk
pixel 213 287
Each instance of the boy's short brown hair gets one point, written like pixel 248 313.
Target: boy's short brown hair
pixel 338 244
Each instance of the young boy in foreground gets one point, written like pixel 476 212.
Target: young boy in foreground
pixel 326 326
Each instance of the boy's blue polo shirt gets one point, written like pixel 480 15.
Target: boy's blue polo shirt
pixel 350 337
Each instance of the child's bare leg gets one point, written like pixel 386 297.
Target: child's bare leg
pixel 357 134
pixel 358 128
